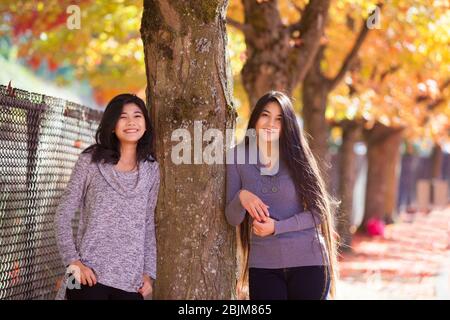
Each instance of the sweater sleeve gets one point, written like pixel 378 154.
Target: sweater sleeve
pixel 234 211
pixel 70 201
pixel 299 221
pixel 150 236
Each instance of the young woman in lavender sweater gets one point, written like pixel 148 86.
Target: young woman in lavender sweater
pixel 282 208
pixel 115 185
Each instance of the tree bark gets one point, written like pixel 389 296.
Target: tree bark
pixel 393 167
pixel 347 177
pixel 189 80
pixel 278 56
pixel 383 145
pixel 316 89
pixel 437 158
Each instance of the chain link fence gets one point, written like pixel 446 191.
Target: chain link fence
pixel 40 140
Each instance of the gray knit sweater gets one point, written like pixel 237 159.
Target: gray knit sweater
pixel 116 233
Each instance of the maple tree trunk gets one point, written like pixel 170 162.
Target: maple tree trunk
pixel 347 177
pixel 275 59
pixel 383 145
pixel 189 79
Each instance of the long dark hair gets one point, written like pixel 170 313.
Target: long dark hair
pixel 107 146
pixel 310 187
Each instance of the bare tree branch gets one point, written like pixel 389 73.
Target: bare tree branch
pixel 444 85
pixel 311 29
pixel 389 71
pixel 296 26
pixel 300 10
pixel 236 24
pixel 437 102
pixel 352 54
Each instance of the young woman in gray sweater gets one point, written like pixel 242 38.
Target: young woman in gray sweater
pixel 115 186
pixel 282 208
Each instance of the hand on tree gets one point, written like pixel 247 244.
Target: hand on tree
pixel 147 287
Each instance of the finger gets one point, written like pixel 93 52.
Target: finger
pixel 147 290
pixel 83 279
pixel 257 224
pixel 92 276
pixel 144 290
pixel 265 209
pixel 261 214
pixel 88 279
pixel 254 214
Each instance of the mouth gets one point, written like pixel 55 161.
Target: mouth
pixel 131 130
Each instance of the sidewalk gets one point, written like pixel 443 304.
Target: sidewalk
pixel 412 261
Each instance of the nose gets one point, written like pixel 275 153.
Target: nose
pixel 272 122
pixel 131 123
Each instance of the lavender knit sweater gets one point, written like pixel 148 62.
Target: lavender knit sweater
pixel 295 242
pixel 116 233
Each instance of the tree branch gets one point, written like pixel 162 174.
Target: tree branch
pixel 352 54
pixel 311 27
pixel 435 103
pixel 389 71
pixel 236 24
pixel 444 85
pixel 301 11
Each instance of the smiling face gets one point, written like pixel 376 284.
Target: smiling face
pixel 268 126
pixel 130 126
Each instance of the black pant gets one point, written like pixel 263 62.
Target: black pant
pixel 298 283
pixel 101 292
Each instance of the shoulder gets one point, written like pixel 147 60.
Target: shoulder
pixel 84 159
pixel 152 166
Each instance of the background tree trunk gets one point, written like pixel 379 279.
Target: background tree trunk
pixel 347 177
pixel 189 79
pixel 383 145
pixel 393 167
pixel 279 56
pixel 316 89
pixel 437 159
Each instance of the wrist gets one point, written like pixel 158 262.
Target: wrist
pixel 75 263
